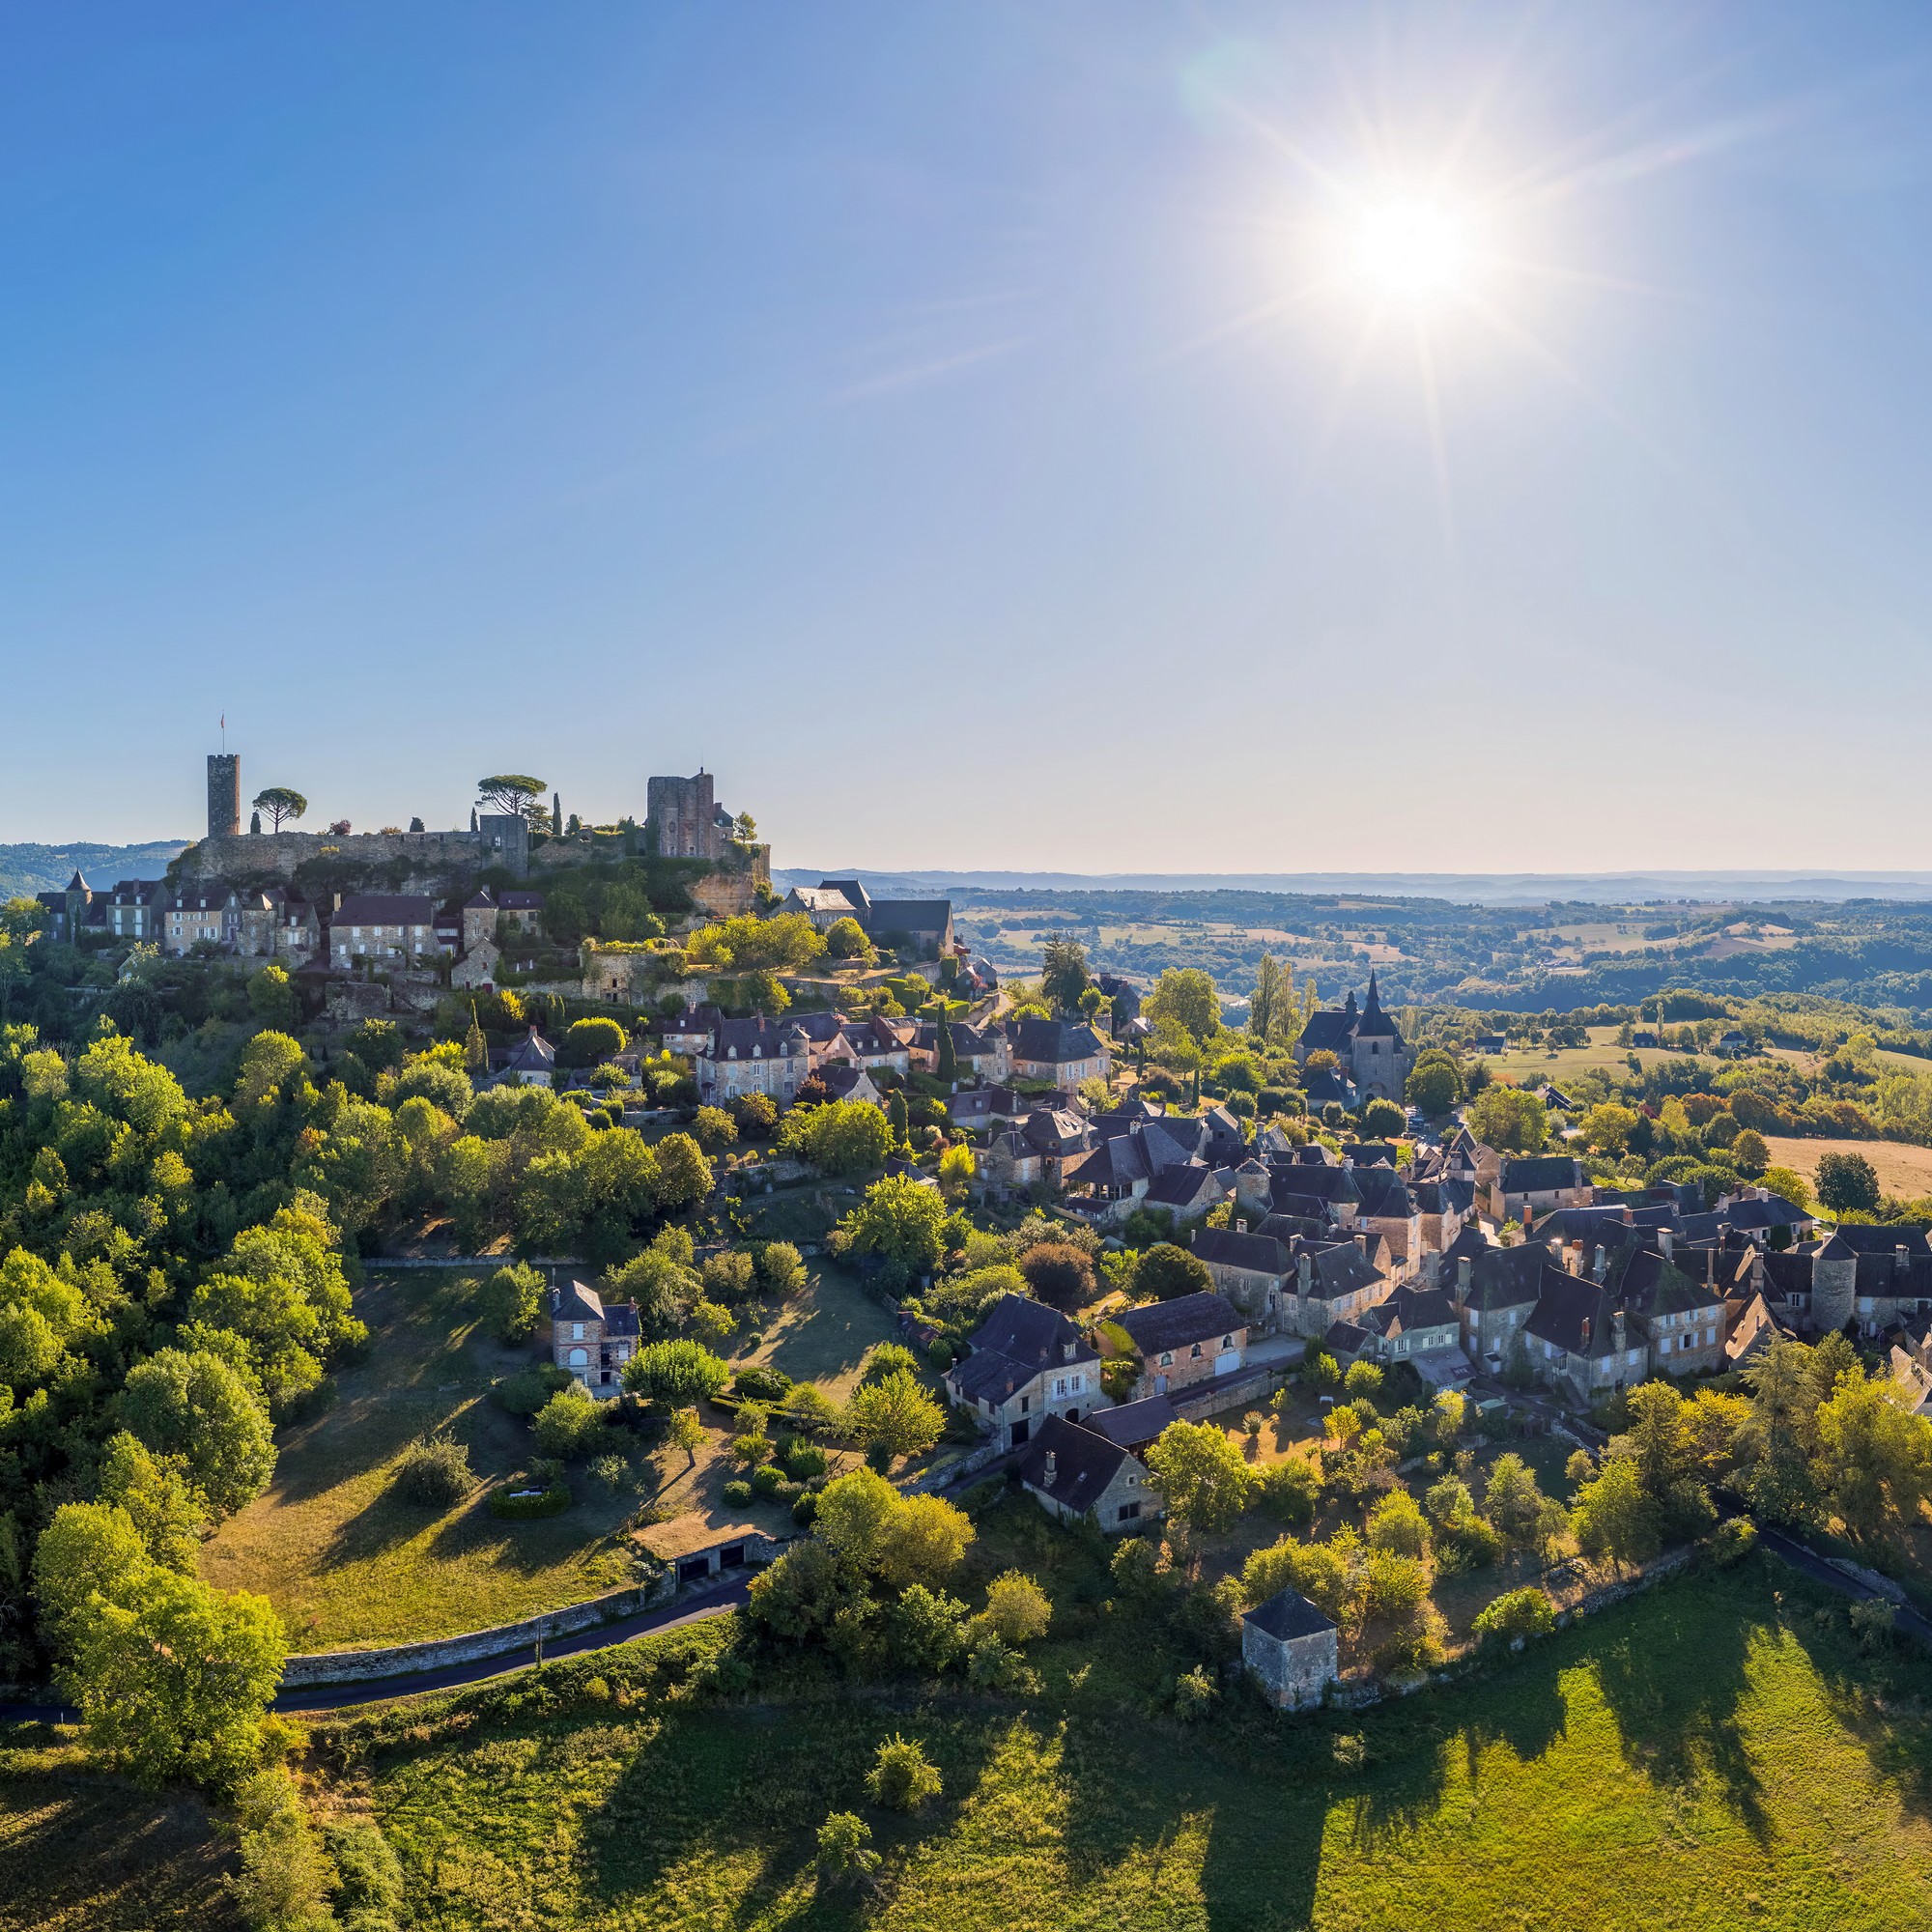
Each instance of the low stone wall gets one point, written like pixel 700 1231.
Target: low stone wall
pixel 1212 1398
pixel 360 1666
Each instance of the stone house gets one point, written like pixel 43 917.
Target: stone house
pixel 1334 1281
pixel 1065 1052
pixel 1677 1302
pixel 1250 1269
pixel 1528 1186
pixel 1291 1647
pixel 1073 1472
pixel 879 1046
pixel 1027 1362
pixel 1494 1293
pixel 1187 1193
pixel 979 1052
pixel 384 927
pixel 197 917
pixel 136 909
pixel 530 1062
pixel 1038 1153
pixel 1191 1338
pixel 981 1108
pixel 752 1055
pixel 823 905
pixel 591 1341
pixel 1579 1333
pixel 849 1083
pixel 1411 1322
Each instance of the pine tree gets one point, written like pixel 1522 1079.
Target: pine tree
pixel 946 1064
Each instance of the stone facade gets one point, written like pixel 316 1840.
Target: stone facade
pixel 684 816
pixel 224 794
pixel 1291 1648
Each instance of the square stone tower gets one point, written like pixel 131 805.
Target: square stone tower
pixel 224 794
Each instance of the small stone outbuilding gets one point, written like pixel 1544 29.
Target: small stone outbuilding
pixel 1288 1644
pixel 1073 1472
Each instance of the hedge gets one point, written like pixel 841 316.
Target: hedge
pixel 520 1505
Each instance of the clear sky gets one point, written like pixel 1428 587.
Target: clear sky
pixel 1099 436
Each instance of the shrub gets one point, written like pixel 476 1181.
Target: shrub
pixel 609 1469
pixel 714 1129
pixel 518 1502
pixel 1397 1524
pixel 569 1423
pixel 284 1879
pixel 434 1472
pixel 925 1627
pixel 590 1042
pixel 1526 1612
pixel 760 1383
pixel 738 1492
pixel 756 1113
pixel 1875 1624
pixel 802 1459
pixel 767 1479
pixel 676 1372
pixel 804 1509
pixel 528 1389
pixel 1165 1273
pixel 1735 1539
pixel 1364 1378
pixel 890 1358
pixel 369 1877
pixel 901 1777
pixel 1017 1609
pixel 1194 1695
pixel 1290 1491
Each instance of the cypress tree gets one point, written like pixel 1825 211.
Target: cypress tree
pixel 946 1066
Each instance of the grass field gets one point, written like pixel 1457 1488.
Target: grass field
pixel 347 1564
pixel 1903 1169
pixel 1710 1755
pixel 1531 1066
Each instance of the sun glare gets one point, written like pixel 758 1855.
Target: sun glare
pixel 1411 251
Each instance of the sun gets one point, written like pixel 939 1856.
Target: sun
pixel 1411 251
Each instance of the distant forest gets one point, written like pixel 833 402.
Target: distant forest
pixel 27 870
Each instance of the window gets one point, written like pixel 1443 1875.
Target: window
pixel 577 1331
pixel 1167 1360
pixel 1129 1511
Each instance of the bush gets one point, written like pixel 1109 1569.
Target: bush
pixel 738 1492
pixel 756 1113
pixel 1526 1612
pixel 569 1424
pixel 760 1383
pixel 802 1459
pixel 1017 1609
pixel 1194 1695
pixel 1166 1272
pixel 767 1479
pixel 433 1473
pixel 901 1777
pixel 890 1358
pixel 1364 1378
pixel 1735 1539
pixel 780 1266
pixel 518 1502
pixel 528 1389
pixel 1289 1490
pixel 714 1129
pixel 369 1877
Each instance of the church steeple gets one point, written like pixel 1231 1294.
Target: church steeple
pixel 1374 1004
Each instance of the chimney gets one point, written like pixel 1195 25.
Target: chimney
pixel 1463 1277
pixel 1303 1273
pixel 1665 1237
pixel 1586 1331
pixel 1572 1258
pixel 1617 1331
pixel 1711 1266
pixel 1901 1262
pixel 1362 1247
pixel 1240 1227
pixel 1599 1263
pixel 1052 1462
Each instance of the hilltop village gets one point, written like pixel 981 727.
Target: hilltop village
pixel 418 1243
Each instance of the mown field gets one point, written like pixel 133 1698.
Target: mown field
pixel 1715 1754
pixel 1903 1169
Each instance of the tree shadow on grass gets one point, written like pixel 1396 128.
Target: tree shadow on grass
pixel 1673 1680
pixel 716 1784
pixel 1881 1694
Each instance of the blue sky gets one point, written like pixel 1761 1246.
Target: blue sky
pixel 949 425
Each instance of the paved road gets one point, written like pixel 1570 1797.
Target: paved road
pixel 693 1608
pixel 1802 1557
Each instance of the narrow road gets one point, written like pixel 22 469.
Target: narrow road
pixel 1802 1557
pixel 694 1608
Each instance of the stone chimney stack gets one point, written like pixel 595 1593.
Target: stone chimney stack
pixel 1303 1274
pixel 1664 1239
pixel 1463 1277
pixel 1052 1465
pixel 1600 1264
pixel 1617 1331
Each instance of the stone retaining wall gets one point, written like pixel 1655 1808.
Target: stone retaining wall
pixel 360 1666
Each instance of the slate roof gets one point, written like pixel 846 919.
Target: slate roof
pixel 916 916
pixel 1288 1615
pixel 534 1055
pixel 1409 1309
pixel 841 1081
pixel 1229 1247
pixel 1537 1174
pixel 1054 1132
pixel 1384 1195
pixel 756 1039
pixel 1346 1338
pixel 1327 1185
pixel 1053 1043
pixel 385 909
pixel 1336 1268
pixel 577 1303
pixel 1186 1320
pixel 1084 1463
pixel 1018 1340
pixel 1577 1315
pixel 1181 1186
pixel 1133 1422
pixel 1507 1277
pixel 1874 1239
pixel 1650 1286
